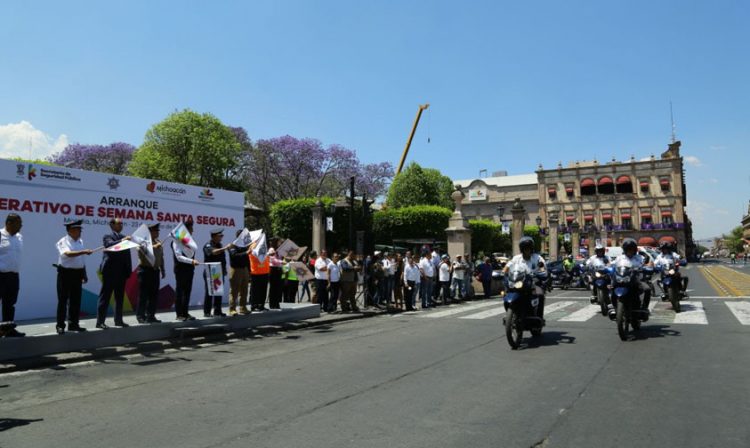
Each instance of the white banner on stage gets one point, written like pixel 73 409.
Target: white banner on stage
pixel 47 197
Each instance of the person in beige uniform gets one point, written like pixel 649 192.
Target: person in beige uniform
pixel 148 279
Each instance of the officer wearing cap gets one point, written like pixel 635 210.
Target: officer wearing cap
pixel 148 279
pixel 214 252
pixel 71 275
pixel 184 270
pixel 115 268
pixel 11 246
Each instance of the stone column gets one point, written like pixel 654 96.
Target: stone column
pixel 318 227
pixel 554 223
pixel 459 236
pixel 575 238
pixel 592 240
pixel 518 222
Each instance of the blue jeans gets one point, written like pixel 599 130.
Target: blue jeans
pixel 458 284
pixel 425 292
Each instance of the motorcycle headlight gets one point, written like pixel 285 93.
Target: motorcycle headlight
pixel 671 272
pixel 598 274
pixel 518 285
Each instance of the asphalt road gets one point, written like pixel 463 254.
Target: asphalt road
pixel 419 380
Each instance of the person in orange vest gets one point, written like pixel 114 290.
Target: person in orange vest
pixel 259 272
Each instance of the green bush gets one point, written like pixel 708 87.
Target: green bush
pixel 417 221
pixel 292 218
pixel 487 237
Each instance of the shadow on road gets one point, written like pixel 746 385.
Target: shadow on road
pixel 653 331
pixel 9 423
pixel 550 338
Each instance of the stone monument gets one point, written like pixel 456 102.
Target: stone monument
pixel 459 236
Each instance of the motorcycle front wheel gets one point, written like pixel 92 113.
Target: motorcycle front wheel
pixel 622 320
pixel 674 298
pixel 601 296
pixel 513 329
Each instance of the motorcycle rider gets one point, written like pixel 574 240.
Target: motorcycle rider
pixel 669 255
pixel 630 252
pixel 534 262
pixel 592 261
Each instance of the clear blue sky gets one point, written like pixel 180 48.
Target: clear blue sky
pixel 511 84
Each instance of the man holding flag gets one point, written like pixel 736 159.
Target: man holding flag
pixel 115 267
pixel 183 251
pixel 150 266
pixel 214 252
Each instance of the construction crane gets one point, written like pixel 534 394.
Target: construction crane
pixel 422 108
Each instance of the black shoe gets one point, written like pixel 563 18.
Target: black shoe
pixel 76 328
pixel 180 318
pixel 13 333
pixel 60 330
pixel 103 326
pixel 153 320
pixel 121 324
pixel 219 314
pixel 141 320
pixel 206 314
pixel 189 317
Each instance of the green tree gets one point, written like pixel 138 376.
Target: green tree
pixel 189 148
pixel 734 241
pixel 420 186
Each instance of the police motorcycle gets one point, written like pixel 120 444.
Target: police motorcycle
pixel 626 296
pixel 670 283
pixel 600 282
pixel 578 276
pixel 522 305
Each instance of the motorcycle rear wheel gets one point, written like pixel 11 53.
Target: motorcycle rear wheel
pixel 622 321
pixel 513 329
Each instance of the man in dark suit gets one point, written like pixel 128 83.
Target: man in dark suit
pixel 115 268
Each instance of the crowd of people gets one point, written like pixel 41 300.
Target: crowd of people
pixel 382 280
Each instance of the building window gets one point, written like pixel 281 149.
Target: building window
pixel 625 219
pixel 643 184
pixel 569 190
pixel 588 187
pixel 605 185
pixel 666 217
pixel 646 221
pixel 552 191
pixel 607 219
pixel 664 183
pixel 624 184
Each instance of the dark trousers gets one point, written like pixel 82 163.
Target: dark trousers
pixel 445 287
pixel 290 291
pixel 9 285
pixel 409 296
pixel 111 283
pixel 322 287
pixel 275 287
pixel 69 290
pixel 258 290
pixel 183 289
pixel 148 290
pixel 211 301
pixel 487 286
pixel 335 290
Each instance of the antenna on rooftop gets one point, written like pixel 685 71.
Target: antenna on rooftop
pixel 671 117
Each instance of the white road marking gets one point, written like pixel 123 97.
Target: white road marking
pixel 741 311
pixel 550 307
pixel 692 313
pixel 583 314
pixel 460 309
pixel 485 314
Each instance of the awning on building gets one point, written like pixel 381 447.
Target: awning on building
pixel 570 189
pixel 667 239
pixel 623 180
pixel 647 241
pixel 551 190
pixel 588 183
pixel 625 215
pixel 570 218
pixel 644 183
pixel 664 182
pixel 588 217
pixel 606 180
pixel 645 214
pixel 666 213
pixel 606 215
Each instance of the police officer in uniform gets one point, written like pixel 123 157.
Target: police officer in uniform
pixel 214 252
pixel 184 269
pixel 148 279
pixel 115 268
pixel 71 275
pixel 11 246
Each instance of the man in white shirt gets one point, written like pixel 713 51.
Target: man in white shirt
pixel 428 273
pixel 321 279
pixel 384 287
pixel 334 282
pixel 444 276
pixel 184 270
pixel 411 277
pixel 11 247
pixel 71 275
pixel 457 283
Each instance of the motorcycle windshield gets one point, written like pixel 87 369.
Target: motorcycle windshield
pixel 623 270
pixel 518 272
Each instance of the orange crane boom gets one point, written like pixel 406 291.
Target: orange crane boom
pixel 422 107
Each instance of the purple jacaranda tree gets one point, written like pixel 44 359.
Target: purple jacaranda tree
pixel 112 158
pixel 288 168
